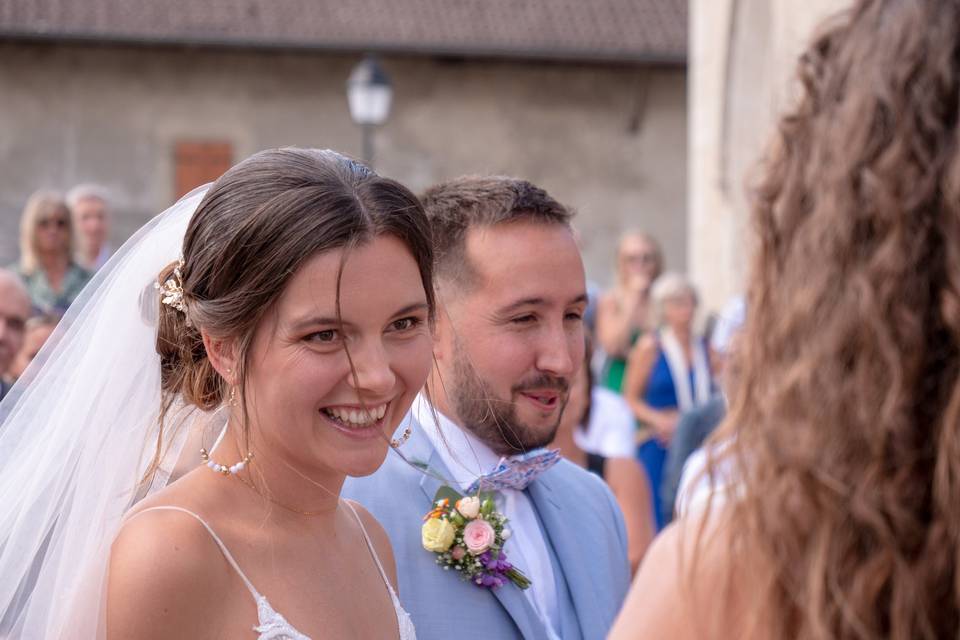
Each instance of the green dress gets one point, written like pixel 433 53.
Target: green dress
pixel 42 296
pixel 615 369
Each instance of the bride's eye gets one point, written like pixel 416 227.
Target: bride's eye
pixel 323 337
pixel 405 324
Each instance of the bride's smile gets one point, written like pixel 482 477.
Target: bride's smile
pixel 325 391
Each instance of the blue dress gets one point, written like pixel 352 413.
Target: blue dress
pixel 661 393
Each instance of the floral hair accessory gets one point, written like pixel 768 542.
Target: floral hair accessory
pixel 467 534
pixel 171 291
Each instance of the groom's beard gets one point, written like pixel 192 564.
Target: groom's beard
pixel 494 420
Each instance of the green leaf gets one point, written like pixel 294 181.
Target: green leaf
pixel 420 464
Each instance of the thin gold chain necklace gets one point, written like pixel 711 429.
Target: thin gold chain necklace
pixel 277 502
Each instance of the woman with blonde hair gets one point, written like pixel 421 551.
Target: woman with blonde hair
pixel 668 373
pixel 844 522
pixel 46 254
pixel 623 312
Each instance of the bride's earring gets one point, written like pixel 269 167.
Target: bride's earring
pixel 212 464
pixel 396 443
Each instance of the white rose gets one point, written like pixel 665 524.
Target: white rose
pixel 469 507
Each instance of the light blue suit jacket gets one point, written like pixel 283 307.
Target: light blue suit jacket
pixel 582 526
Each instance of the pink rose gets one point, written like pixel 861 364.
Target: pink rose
pixel 479 536
pixel 458 553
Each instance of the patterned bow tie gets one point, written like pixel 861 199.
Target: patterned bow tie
pixel 516 473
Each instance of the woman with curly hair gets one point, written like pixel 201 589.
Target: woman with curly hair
pixel 845 519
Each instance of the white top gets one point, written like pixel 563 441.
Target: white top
pixel 729 322
pixel 611 431
pixel 467 458
pixel 698 487
pixel 272 625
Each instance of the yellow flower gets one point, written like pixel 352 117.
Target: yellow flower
pixel 437 535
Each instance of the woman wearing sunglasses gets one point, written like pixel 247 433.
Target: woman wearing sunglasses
pixel 46 254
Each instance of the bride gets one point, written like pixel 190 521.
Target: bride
pixel 288 340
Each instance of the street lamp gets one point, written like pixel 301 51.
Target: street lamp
pixel 369 94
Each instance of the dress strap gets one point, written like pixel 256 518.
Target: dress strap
pixel 216 538
pixel 373 551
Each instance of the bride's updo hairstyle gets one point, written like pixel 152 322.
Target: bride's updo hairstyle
pixel 255 227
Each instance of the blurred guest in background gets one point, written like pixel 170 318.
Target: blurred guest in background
pixel 685 458
pixel 14 311
pixel 46 265
pixel 620 471
pixel 38 329
pixel 669 372
pixel 623 312
pixel 89 207
pixel 608 428
pixel 843 523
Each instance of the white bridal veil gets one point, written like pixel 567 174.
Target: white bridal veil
pixel 77 433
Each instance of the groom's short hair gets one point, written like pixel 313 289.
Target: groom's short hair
pixel 456 206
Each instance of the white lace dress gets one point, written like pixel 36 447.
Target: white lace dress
pixel 272 625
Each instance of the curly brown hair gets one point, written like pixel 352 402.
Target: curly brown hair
pixel 848 415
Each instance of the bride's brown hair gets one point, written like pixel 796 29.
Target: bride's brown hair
pixel 254 228
pixel 848 416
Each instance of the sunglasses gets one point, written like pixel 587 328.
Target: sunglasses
pixel 59 223
pixel 642 258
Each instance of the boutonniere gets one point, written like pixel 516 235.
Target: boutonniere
pixel 467 533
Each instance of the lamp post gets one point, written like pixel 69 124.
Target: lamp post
pixel 369 94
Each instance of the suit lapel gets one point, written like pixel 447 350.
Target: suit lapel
pixel 510 597
pixel 567 541
pixel 518 606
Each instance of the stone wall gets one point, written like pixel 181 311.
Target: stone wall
pixel 608 140
pixel 742 60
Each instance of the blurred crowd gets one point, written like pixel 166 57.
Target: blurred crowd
pixel 63 241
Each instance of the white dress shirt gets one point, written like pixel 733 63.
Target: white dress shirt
pixel 467 458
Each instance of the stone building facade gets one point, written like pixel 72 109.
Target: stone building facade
pixel 742 59
pixel 605 130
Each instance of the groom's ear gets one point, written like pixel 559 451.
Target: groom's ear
pixel 222 353
pixel 442 334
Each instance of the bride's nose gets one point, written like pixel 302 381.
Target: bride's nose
pixel 372 372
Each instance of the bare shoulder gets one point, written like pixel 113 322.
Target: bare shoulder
pixel 683 587
pixel 163 576
pixel 380 539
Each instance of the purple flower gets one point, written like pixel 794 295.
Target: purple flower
pixel 491 581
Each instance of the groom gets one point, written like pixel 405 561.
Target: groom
pixel 508 339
